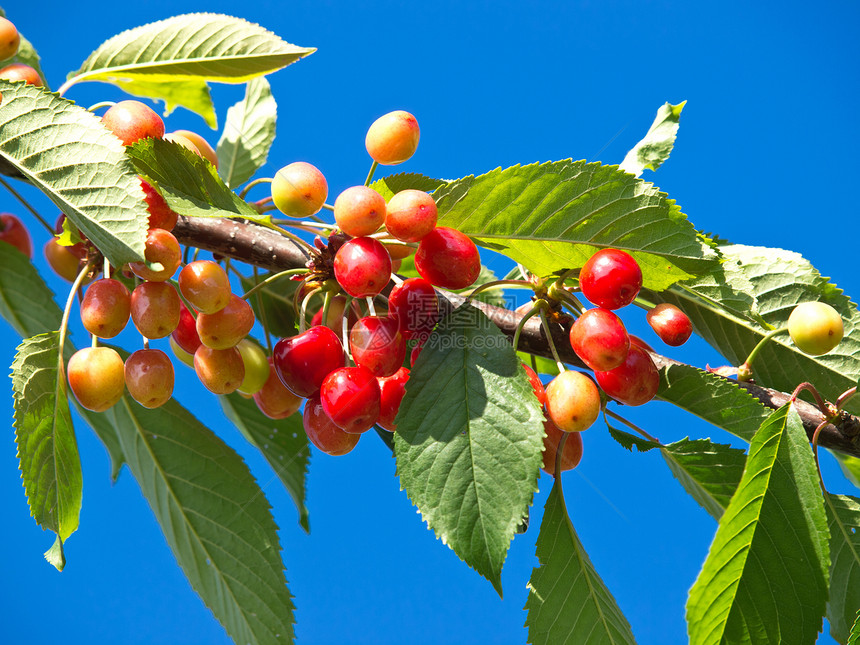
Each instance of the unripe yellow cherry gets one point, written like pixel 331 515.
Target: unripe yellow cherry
pixel 815 327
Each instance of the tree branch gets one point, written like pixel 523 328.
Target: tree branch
pixel 269 250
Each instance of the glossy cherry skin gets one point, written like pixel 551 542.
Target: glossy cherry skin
pixel 9 39
pixel 572 401
pixel 155 309
pixel 376 343
pixel 160 214
pixel 447 258
pixel 105 308
pixel 350 398
pixel 185 334
pixel 611 279
pixel 323 433
pixel 600 339
pixel 411 214
pixel 359 210
pixel 149 377
pixel 220 370
pixel 205 285
pixel 275 400
pixel 62 260
pixel 416 306
pixel 97 377
pixel 21 72
pixel 634 382
pixel 572 454
pixel 227 326
pixel 204 148
pixel 13 231
pixel 132 121
pixel 537 385
pixel 303 361
pixel 299 189
pixel 257 367
pixel 391 391
pixel 161 247
pixel 671 324
pixel 392 138
pixel 184 357
pixel 635 340
pixel 815 327
pixel 362 267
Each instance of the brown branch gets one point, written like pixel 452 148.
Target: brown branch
pixel 269 250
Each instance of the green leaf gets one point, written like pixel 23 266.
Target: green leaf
pixel 843 518
pixel 172 59
pixel 388 186
pixel 273 304
pixel 216 519
pixel 654 149
pixel 544 365
pixel 710 472
pixel 248 134
pixel 630 441
pixel 70 156
pixel 568 603
pixel 850 466
pixel 26 54
pixel 780 280
pixel 766 576
pixel 552 217
pixel 47 449
pixel 190 184
pixel 282 442
pixel 469 439
pixel 712 398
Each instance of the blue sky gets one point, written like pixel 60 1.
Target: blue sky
pixel 766 155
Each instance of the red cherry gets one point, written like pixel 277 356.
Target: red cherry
pixel 415 353
pixel 149 377
pixel 599 338
pixel 415 305
pixel 359 210
pixel 635 340
pixel 350 398
pixel 362 267
pixel 160 214
pixel 162 248
pixel 185 334
pixel 391 391
pixel 572 454
pixel 448 258
pixel 13 231
pixel 671 324
pixel 634 382
pixel 610 279
pixel 323 433
pixel 21 72
pixel 302 362
pixel 376 344
pixel 537 385
pixel 133 120
pixel 105 308
pixel 411 214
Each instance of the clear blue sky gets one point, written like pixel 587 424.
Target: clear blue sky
pixel 766 155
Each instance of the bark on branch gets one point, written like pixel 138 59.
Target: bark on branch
pixel 269 250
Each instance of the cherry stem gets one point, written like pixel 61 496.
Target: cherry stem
pixel 519 330
pixel 809 387
pixel 271 279
pixel 567 298
pixel 558 455
pixel 251 184
pixel 328 207
pixel 631 425
pixel 145 342
pixel 492 285
pixel 550 341
pixel 815 452
pixel 845 396
pixel 370 174
pixel 262 311
pixel 564 276
pixel 370 308
pixel 344 326
pixel 296 239
pixel 100 104
pixel 762 343
pixel 95 341
pixel 27 206
pixel 303 320
pixel 64 323
pixel 106 268
pixel 643 302
pixel 326 306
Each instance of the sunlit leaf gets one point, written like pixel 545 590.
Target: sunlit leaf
pixel 655 147
pixel 843 518
pixel 248 134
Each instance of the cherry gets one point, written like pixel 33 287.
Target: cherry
pixel 205 285
pixel 9 39
pixel 572 454
pixel 181 354
pixel 299 189
pixel 815 327
pixel 323 433
pixel 415 305
pixel 105 308
pixel 359 210
pixel 411 215
pixel 13 231
pixel 183 141
pixel 350 398
pixel 634 382
pixel 448 258
pixel 415 353
pixel 303 361
pixel 257 366
pixel 610 279
pixel 149 377
pixel 599 338
pixel 155 308
pixel 185 335
pixel 220 370
pixel 392 138
pixel 537 385
pixel 225 328
pixel 62 259
pixel 21 72
pixel 334 320
pixel 572 401
pixel 398 252
pixel 160 214
pixel 671 324
pixel 200 144
pixel 162 248
pixel 275 400
pixel 132 121
pixel 362 267
pixel 97 377
pixel 391 391
pixel 376 344
pixel 635 340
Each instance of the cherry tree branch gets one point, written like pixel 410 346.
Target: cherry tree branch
pixel 269 250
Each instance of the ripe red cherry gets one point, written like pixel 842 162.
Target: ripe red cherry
pixel 376 344
pixel 323 433
pixel 21 72
pixel 572 401
pixel 13 231
pixel 671 324
pixel 411 214
pixel 415 305
pixel 185 334
pixel 149 377
pixel 105 308
pixel 132 121
pixel 634 382
pixel 155 308
pixel 392 138
pixel 610 279
pixel 599 338
pixel 350 398
pixel 572 454
pixel 160 214
pixel 362 267
pixel 161 247
pixel 359 210
pixel 274 400
pixel 448 258
pixel 302 362
pixel 391 391
pixel 537 385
